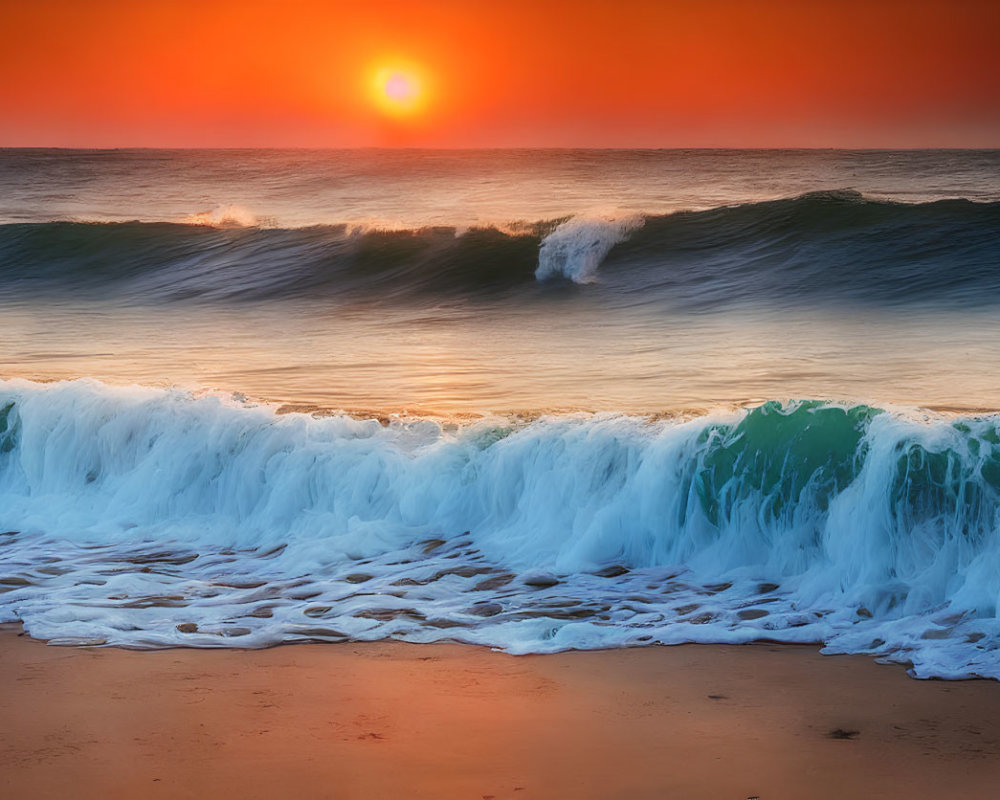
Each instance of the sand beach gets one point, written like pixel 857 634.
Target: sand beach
pixel 396 720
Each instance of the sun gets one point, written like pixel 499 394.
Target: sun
pixel 399 90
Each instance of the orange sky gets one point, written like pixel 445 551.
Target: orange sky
pixel 681 73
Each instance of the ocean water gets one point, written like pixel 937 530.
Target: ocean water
pixel 536 400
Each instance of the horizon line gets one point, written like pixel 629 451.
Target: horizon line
pixel 548 148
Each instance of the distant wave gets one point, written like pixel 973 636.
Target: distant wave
pixel 150 518
pixel 823 246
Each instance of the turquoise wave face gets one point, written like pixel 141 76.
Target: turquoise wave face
pixel 152 518
pixel 8 428
pixel 781 457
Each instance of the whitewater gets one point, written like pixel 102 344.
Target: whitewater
pixel 535 401
pixel 132 509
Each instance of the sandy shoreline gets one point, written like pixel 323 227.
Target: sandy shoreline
pixel 392 720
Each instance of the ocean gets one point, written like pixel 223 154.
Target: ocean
pixel 536 400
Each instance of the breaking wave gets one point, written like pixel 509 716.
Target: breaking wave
pixel 152 518
pixel 576 248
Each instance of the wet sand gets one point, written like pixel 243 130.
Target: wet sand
pixel 392 720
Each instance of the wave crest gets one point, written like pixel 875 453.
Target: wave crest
pixel 225 216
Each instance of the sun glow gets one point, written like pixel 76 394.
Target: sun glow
pixel 399 90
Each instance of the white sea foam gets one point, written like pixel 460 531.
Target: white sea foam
pixel 153 518
pixel 576 248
